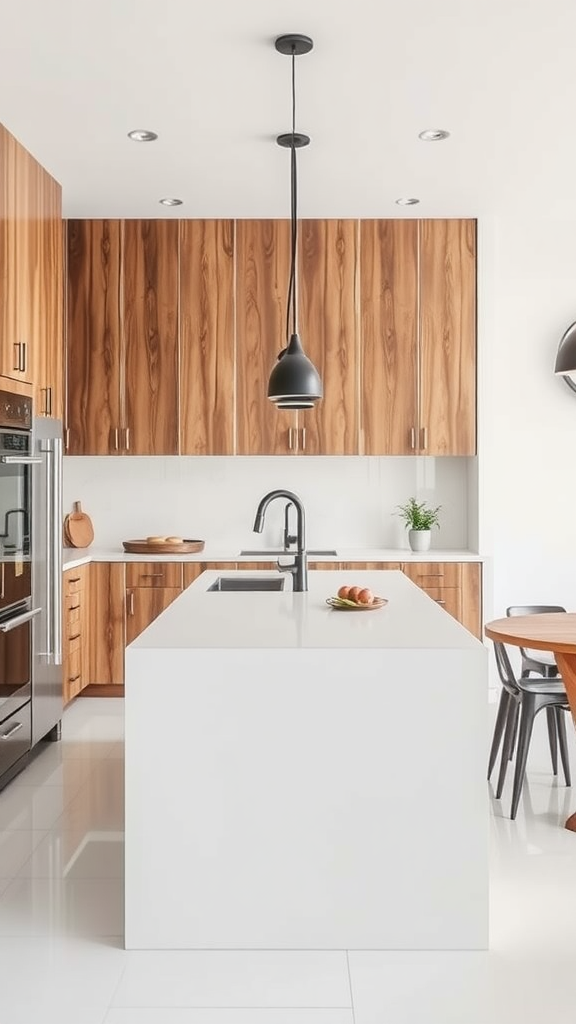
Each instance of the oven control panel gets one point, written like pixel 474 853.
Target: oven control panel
pixel 15 411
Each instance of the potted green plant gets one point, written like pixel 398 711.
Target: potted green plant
pixel 420 517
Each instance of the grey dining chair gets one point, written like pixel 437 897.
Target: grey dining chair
pixel 522 698
pixel 541 662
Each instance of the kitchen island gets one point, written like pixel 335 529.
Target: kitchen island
pixel 304 778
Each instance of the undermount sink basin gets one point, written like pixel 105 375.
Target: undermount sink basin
pixel 231 583
pixel 277 552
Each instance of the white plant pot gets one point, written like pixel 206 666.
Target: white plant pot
pixel 419 539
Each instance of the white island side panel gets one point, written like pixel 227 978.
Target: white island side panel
pixel 306 798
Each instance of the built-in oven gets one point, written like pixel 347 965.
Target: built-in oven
pixel 16 610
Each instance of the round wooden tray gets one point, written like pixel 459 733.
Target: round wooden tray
pixel 378 602
pixel 142 547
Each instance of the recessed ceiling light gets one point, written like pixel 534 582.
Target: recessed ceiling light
pixel 171 202
pixel 142 135
pixel 407 202
pixel 433 135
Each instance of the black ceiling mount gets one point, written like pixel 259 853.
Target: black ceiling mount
pixel 294 43
pixel 298 140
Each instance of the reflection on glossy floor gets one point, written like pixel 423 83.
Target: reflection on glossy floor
pixel 61 952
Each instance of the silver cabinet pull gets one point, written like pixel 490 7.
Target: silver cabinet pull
pixel 67 438
pixel 17 356
pixel 412 438
pixel 10 732
pixel 18 620
pixel 424 438
pixel 131 603
pixel 73 679
pixel 440 602
pixel 127 438
pixel 291 438
pixel 23 350
pixel 303 439
pixel 49 396
pixel 115 439
pixel 152 575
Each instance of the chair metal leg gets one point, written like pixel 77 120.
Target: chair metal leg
pixel 514 735
pixel 527 714
pixel 498 728
pixel 561 726
pixel 552 737
pixel 508 744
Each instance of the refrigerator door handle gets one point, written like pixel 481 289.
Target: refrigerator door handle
pixel 20 460
pixel 53 512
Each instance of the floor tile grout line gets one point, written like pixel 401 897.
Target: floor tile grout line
pixel 350 986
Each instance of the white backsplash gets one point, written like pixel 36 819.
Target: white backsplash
pixel 350 502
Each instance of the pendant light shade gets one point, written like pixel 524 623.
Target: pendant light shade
pixel 566 358
pixel 294 382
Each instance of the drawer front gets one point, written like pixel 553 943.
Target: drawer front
pixel 72 630
pixel 15 737
pixel 153 574
pixel 73 672
pixel 73 582
pixel 434 574
pixel 449 598
pixel 72 604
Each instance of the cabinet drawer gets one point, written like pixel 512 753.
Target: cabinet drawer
pixel 434 574
pixel 73 583
pixel 72 630
pixel 72 604
pixel 153 574
pixel 73 672
pixel 449 598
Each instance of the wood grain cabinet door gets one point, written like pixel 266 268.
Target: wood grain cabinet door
pixel 150 314
pixel 93 337
pixel 327 318
pixel 143 605
pixel 19 230
pixel 448 337
pixel 388 336
pixel 206 337
pixel 262 270
pixel 48 371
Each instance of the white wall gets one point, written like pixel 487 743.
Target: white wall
pixel 527 416
pixel 349 501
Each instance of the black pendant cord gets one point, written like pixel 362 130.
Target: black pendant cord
pixel 292 297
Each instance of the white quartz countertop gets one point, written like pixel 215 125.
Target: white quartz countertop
pixel 199 619
pixel 73 557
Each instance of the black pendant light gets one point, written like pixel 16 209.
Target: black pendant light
pixel 294 382
pixel 566 358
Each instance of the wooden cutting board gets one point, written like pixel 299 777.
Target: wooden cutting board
pixel 78 529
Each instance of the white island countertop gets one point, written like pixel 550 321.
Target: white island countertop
pixel 287 620
pixel 276 752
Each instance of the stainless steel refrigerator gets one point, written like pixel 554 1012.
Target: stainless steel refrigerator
pixel 46 553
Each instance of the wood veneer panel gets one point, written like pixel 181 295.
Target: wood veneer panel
pixel 263 262
pixel 150 278
pixel 327 318
pixel 143 605
pixel 207 337
pixel 472 597
pixel 388 304
pixel 93 336
pixel 49 343
pixel 448 336
pixel 106 629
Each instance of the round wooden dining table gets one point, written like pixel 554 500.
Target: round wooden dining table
pixel 548 631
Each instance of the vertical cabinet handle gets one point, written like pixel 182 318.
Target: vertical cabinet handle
pixel 412 438
pixel 23 351
pixel 303 435
pixel 115 439
pixel 49 398
pixel 67 438
pixel 127 439
pixel 290 439
pixel 17 356
pixel 131 603
pixel 424 439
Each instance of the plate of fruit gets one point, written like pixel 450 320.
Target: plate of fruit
pixel 356 599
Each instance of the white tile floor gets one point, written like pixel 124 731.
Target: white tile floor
pixel 61 955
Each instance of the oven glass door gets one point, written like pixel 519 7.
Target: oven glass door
pixel 15 516
pixel 15 658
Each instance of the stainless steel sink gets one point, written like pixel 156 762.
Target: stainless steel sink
pixel 247 583
pixel 277 552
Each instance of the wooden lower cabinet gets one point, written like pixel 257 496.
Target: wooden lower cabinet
pixel 150 588
pixel 74 631
pixel 106 639
pixel 457 586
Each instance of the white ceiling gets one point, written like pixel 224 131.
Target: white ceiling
pixel 77 75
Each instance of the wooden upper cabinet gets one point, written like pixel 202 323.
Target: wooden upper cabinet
pixel 19 227
pixel 448 337
pixel 262 271
pixel 93 337
pixel 327 317
pixel 48 366
pixel 389 336
pixel 150 321
pixel 206 337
